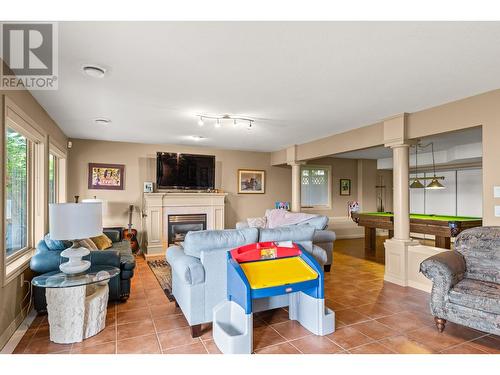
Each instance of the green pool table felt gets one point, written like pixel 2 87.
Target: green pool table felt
pixel 425 217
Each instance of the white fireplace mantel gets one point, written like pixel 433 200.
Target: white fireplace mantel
pixel 157 207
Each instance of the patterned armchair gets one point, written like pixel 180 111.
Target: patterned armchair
pixel 466 282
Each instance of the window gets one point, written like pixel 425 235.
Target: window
pixel 24 189
pixel 17 186
pixel 57 174
pixel 315 189
pixel 53 178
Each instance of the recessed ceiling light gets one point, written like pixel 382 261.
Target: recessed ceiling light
pixel 198 138
pixel 102 121
pixel 94 71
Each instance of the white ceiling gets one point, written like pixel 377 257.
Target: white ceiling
pixel 442 142
pixel 304 80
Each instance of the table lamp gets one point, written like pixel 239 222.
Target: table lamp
pixel 75 221
pixel 103 202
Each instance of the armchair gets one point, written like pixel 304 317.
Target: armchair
pixel 466 282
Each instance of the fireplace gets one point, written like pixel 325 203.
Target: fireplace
pixel 179 225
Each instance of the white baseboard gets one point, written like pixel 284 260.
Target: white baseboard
pixel 420 286
pixel 350 236
pixel 395 280
pixel 345 228
pixel 15 332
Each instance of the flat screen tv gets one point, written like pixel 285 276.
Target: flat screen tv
pixel 185 171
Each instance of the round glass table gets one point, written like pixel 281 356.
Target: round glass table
pixel 57 279
pixel 76 304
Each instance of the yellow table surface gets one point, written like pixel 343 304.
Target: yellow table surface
pixel 269 273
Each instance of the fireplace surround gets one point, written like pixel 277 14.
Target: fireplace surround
pixel 157 207
pixel 180 224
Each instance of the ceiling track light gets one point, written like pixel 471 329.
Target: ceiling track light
pixel 218 120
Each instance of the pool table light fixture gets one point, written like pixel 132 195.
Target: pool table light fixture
pixel 434 184
pixel 416 184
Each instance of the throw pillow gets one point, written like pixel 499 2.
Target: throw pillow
pixel 56 244
pixel 257 222
pixel 88 244
pixel 102 242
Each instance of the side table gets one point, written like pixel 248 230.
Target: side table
pixel 76 304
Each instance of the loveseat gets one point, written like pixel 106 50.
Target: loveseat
pixel 466 281
pixel 199 267
pixel 47 259
pixel 323 237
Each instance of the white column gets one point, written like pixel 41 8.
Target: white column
pixel 401 204
pixel 396 248
pixel 296 182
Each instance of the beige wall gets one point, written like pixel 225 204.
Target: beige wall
pixel 356 139
pixel 364 177
pixel 367 180
pixel 12 293
pixel 140 166
pixel 480 110
pixel 384 176
pixel 341 168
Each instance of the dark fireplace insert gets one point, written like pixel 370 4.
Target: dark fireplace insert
pixel 179 225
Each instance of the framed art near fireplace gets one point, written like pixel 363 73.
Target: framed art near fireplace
pixel 251 181
pixel 106 176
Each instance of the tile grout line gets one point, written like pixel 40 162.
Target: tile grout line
pixel 31 338
pixel 206 349
pixel 116 329
pixel 467 342
pixel 156 331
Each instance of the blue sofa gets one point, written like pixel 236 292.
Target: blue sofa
pixel 199 267
pixel 48 257
pixel 323 237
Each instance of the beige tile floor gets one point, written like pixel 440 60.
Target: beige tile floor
pixel 371 317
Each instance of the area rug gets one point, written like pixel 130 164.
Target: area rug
pixel 163 274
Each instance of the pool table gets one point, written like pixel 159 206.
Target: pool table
pixel 441 226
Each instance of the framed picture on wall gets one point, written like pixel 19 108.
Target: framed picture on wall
pixel 148 187
pixel 345 186
pixel 251 181
pixel 106 176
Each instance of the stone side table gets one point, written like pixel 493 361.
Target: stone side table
pixel 76 304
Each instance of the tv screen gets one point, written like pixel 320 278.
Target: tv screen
pixel 185 171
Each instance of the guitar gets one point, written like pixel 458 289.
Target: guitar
pixel 130 234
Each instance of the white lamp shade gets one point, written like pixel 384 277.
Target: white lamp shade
pixel 74 221
pixel 97 200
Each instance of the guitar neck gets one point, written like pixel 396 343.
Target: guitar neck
pixel 130 211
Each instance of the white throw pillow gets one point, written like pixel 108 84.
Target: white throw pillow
pixel 257 222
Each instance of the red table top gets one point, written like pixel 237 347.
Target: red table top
pixel 263 251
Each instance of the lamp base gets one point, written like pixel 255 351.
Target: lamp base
pixel 72 268
pixel 75 263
